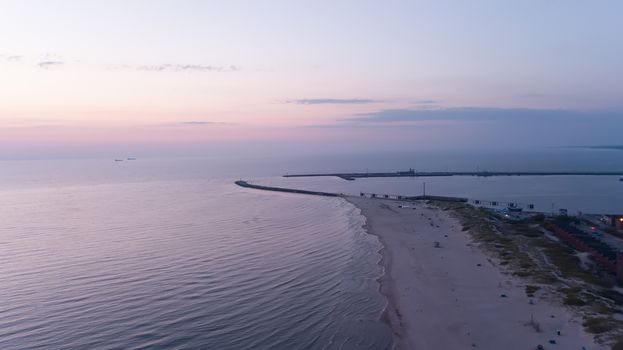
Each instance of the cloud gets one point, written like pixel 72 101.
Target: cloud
pixel 324 101
pixel 428 102
pixel 476 127
pixel 545 96
pixel 11 58
pixel 609 147
pixel 49 64
pixel 49 61
pixel 533 96
pixel 199 122
pixel 179 68
pixel 507 117
pixel 473 114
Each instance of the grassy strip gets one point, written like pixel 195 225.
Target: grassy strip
pixel 525 251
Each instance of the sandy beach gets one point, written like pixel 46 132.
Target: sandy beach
pixel 443 292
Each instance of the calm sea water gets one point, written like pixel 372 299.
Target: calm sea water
pixel 586 194
pixel 168 253
pixel 132 261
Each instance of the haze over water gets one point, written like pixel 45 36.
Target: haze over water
pixel 186 263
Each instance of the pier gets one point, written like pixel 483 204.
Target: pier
pixel 242 183
pixel 246 184
pixel 413 173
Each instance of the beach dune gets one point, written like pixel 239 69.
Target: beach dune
pixel 443 292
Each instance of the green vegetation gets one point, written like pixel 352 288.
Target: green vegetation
pixel 602 308
pixel 525 251
pixel 530 290
pixel 613 231
pixel 618 345
pixel 568 264
pixel 572 296
pixel 480 224
pixel 598 325
pixel 613 295
pixel 574 301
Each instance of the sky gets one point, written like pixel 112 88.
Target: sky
pixel 101 78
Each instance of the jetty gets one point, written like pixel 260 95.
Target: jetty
pixel 413 173
pixel 242 183
pixel 246 184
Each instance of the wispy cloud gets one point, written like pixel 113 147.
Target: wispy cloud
pixel 50 64
pixel 473 114
pixel 178 68
pixel 428 102
pixel 193 123
pixel 201 122
pixel 11 58
pixel 325 101
pixel 509 117
pixel 49 61
pixel 607 147
pixel 532 96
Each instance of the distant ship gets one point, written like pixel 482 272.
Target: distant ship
pixel 131 158
pixel 118 160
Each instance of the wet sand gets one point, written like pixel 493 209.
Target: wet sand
pixel 443 292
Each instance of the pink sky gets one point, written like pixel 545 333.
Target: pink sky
pixel 349 74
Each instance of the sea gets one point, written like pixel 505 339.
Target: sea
pixel 168 253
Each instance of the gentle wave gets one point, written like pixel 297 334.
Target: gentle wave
pixel 186 264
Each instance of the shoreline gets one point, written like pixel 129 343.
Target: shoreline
pixel 389 315
pixel 444 292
